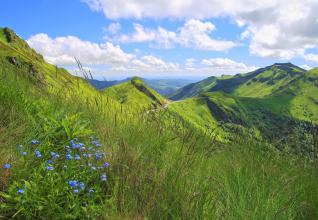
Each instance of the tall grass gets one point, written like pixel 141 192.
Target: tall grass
pixel 161 168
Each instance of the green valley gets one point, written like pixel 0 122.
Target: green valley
pixel 230 147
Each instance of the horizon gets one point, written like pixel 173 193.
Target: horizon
pixel 116 40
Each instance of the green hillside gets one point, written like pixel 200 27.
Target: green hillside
pixel 194 89
pixel 135 93
pixel 259 83
pixel 69 151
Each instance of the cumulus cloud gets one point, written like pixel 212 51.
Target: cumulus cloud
pixel 62 50
pixel 227 65
pixel 280 29
pixel 113 60
pixel 311 57
pixel 113 28
pixel 193 34
pixel 306 67
pixel 199 9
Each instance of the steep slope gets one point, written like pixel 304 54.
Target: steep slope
pixel 135 93
pixel 98 84
pixel 258 83
pixel 166 87
pixel 194 89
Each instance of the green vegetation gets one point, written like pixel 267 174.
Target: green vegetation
pixel 194 89
pixel 163 164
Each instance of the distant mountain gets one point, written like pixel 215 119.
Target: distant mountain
pixel 162 86
pixel 258 83
pixel 194 89
pixel 98 84
pixel 166 87
pixel 134 93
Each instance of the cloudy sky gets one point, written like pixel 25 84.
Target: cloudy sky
pixel 167 38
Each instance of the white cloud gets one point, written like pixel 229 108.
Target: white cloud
pixel 108 59
pixel 280 29
pixel 62 50
pixel 113 28
pixel 227 65
pixel 311 57
pixel 193 34
pixel 306 67
pixel 199 9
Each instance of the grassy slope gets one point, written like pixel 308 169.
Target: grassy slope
pixel 159 169
pixel 194 89
pixel 134 93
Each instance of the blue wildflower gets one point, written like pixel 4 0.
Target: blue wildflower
pixel 38 154
pixel 84 155
pixel 89 155
pixel 82 185
pixel 69 157
pixel 49 167
pixel 20 146
pixel 77 157
pixel 98 156
pixel 90 148
pixel 20 191
pixel 96 143
pixel 75 191
pixel 69 151
pixel 91 191
pixel 93 168
pixel 7 166
pixel 103 177
pixel 73 183
pixel 106 165
pixel 67 147
pixel 55 155
pixel 82 148
pixel 49 161
pixel 24 153
pixel 35 142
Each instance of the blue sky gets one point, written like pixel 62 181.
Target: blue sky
pixel 161 38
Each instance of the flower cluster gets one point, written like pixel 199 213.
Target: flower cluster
pixel 84 166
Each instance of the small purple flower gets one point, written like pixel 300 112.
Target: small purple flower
pixel 91 191
pixel 75 191
pixel 49 161
pixel 7 166
pixel 82 185
pixel 82 148
pixel 20 191
pixel 106 165
pixel 98 156
pixel 73 183
pixel 69 157
pixel 77 157
pixel 20 146
pixel 84 155
pixel 38 154
pixel 55 155
pixel 103 177
pixel 67 147
pixel 24 153
pixel 49 167
pixel 90 148
pixel 35 142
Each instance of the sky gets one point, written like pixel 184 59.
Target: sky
pixel 115 39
